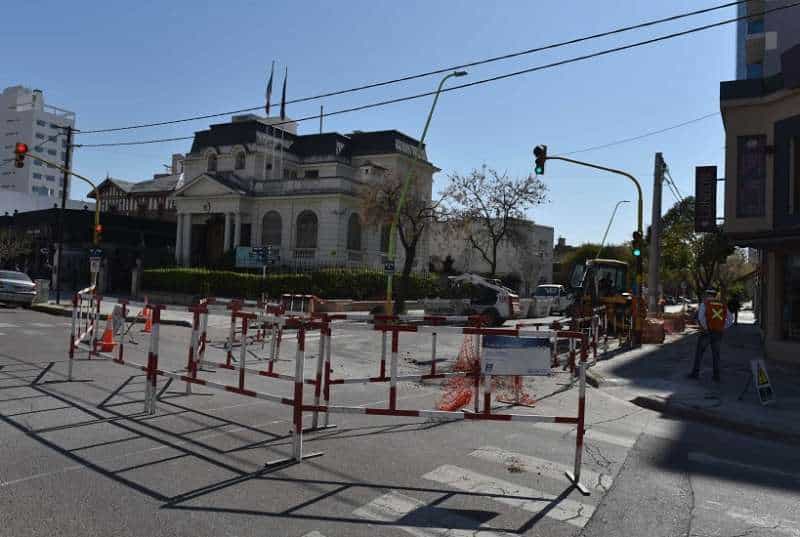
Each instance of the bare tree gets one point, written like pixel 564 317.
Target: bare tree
pixel 487 204
pixel 379 201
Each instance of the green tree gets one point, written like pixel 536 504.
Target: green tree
pixel 690 256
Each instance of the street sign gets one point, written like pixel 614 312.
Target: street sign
pixel 511 355
pixel 388 267
pixel 763 386
pixel 705 204
pixel 44 251
pixel 95 252
pixel 94 264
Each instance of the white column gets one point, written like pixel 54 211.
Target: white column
pixel 179 239
pixel 187 239
pixel 227 240
pixel 237 229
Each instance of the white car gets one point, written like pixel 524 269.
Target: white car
pixel 16 288
pixel 562 299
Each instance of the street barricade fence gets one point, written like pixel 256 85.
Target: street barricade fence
pixel 497 348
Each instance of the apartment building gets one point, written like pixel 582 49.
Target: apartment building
pixel 25 117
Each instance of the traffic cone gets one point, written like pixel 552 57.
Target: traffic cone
pixel 107 343
pixel 148 321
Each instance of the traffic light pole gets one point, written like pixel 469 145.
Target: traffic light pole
pixel 637 290
pixel 67 171
pixel 64 190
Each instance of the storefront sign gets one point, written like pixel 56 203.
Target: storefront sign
pixel 705 202
pixel 751 180
pixel 511 355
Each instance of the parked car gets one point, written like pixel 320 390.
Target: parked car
pixel 562 299
pixel 16 288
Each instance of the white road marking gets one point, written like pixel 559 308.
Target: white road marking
pixel 591 434
pixel 7 325
pixel 393 507
pixel 548 468
pixel 314 533
pixel 702 458
pixel 529 499
pixel 42 325
pixel 774 524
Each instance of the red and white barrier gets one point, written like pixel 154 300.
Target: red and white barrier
pixel 322 381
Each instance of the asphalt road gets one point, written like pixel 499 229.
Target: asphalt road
pixel 80 459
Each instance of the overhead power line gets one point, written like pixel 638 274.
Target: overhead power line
pixel 640 136
pixel 408 78
pixel 496 78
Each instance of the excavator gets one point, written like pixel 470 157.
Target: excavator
pixel 601 282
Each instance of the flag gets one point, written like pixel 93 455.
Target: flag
pixel 283 95
pixel 269 88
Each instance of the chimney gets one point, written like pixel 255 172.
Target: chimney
pixel 177 163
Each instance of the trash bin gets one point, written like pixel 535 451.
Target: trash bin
pixel 42 291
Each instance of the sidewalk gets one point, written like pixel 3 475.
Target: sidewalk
pixel 172 315
pixel 655 377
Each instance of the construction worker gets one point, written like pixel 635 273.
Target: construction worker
pixel 714 319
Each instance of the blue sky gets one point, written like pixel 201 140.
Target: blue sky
pixel 116 63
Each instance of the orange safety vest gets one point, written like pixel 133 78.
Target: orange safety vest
pixel 716 313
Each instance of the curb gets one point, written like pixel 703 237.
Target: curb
pixel 61 312
pixel 709 418
pixel 596 380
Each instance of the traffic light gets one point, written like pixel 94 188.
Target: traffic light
pixel 20 150
pixel 98 232
pixel 540 152
pixel 636 244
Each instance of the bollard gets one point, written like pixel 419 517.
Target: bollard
pixel 297 402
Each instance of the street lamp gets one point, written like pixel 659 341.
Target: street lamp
pixel 404 192
pixel 608 227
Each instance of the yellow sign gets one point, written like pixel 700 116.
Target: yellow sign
pixel 763 386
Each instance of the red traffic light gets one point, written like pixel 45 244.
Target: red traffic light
pixel 98 228
pixel 20 150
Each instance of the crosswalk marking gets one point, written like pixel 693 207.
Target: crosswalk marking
pixel 529 499
pixel 591 434
pixel 549 468
pixel 7 325
pixel 394 507
pixel 314 533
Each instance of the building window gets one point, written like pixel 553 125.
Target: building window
pixel 312 174
pixel 306 230
pixel 240 161
pixel 791 300
pixel 755 26
pixel 37 175
pixel 755 70
pixel 50 178
pixel 40 123
pixel 40 135
pixel 794 175
pixel 751 172
pixel 354 233
pixel 37 162
pixel 271 229
pixel 52 138
pixel 212 163
pixel 246 235
pixel 54 126
pixel 386 230
pixel 52 152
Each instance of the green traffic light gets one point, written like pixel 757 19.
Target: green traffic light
pixel 539 170
pixel 637 252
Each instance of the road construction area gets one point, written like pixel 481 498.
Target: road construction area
pixel 83 458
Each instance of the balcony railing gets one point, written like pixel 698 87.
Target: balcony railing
pixel 322 185
pixel 304 253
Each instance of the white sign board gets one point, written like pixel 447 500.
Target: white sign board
pixel 94 264
pixel 763 385
pixel 511 355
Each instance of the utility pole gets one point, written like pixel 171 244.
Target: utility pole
pixel 64 189
pixel 655 235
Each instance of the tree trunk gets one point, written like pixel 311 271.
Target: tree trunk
pixel 405 279
pixel 493 265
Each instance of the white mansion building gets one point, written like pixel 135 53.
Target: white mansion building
pixel 256 182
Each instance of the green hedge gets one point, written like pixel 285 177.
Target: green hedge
pixel 325 283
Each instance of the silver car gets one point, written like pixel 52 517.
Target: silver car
pixel 16 288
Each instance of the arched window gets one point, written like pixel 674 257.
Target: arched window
pixel 386 229
pixel 306 230
pixel 271 229
pixel 240 161
pixel 212 162
pixel 354 233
